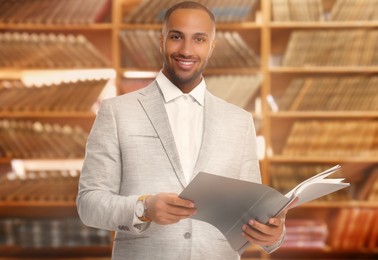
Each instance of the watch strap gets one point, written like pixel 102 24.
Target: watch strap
pixel 144 218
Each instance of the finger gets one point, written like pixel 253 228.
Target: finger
pixel 163 217
pixel 254 235
pixel 268 230
pixel 175 214
pixel 258 226
pixel 177 201
pixel 181 211
pixel 160 211
pixel 279 221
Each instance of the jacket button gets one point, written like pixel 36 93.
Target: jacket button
pixel 122 227
pixel 187 235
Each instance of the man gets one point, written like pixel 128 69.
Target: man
pixel 146 146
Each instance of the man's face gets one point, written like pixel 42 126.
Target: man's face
pixel 186 45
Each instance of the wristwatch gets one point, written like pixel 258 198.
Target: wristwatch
pixel 141 208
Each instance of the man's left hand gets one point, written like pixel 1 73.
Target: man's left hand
pixel 265 234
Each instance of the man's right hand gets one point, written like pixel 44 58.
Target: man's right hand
pixel 168 208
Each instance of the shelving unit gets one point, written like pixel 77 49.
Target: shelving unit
pixel 24 213
pixel 277 126
pixel 269 39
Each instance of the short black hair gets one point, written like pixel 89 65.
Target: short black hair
pixel 188 5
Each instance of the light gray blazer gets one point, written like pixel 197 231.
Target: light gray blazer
pixel 131 151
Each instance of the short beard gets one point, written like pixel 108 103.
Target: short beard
pixel 179 81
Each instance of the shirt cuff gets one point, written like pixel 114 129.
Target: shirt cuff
pixel 138 224
pixel 275 246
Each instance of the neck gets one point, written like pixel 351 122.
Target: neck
pixel 186 88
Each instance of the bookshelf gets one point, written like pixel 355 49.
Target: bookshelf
pixel 326 93
pixel 56 66
pixel 268 38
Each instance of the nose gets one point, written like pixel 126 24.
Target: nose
pixel 186 48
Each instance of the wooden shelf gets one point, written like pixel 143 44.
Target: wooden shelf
pixel 58 27
pixel 75 251
pixel 323 114
pixel 325 69
pixel 43 209
pixel 323 253
pixel 48 114
pixel 321 160
pixel 324 25
pixel 337 205
pixel 220 26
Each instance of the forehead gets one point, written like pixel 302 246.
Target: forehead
pixel 190 21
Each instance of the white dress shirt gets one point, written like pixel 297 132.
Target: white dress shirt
pixel 185 113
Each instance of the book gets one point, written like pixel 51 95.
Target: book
pixel 235 89
pixel 229 203
pixel 281 11
pixel 35 234
pixel 40 50
pixel 55 11
pixel 33 139
pixel 152 12
pixel 305 233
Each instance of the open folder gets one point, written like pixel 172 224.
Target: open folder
pixel 229 203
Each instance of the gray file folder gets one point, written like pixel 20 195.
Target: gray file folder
pixel 228 203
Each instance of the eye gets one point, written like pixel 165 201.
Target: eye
pixel 200 39
pixel 175 37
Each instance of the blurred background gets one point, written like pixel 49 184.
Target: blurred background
pixel 306 70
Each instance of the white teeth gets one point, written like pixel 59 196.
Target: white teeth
pixel 186 62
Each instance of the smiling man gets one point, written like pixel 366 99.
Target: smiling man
pixel 146 146
pixel 187 41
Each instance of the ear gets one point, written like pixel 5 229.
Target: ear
pixel 212 47
pixel 161 43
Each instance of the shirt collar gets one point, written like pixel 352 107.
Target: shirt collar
pixel 170 91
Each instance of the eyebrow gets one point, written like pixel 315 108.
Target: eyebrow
pixel 181 33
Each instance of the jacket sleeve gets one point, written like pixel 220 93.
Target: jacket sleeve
pixel 98 202
pixel 250 169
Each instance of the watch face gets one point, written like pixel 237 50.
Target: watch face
pixel 139 211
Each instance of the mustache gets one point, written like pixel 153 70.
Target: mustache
pixel 182 56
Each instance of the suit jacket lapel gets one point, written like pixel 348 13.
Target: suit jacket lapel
pixel 152 102
pixel 212 129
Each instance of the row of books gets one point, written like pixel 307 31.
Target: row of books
pixel 50 233
pixel 367 187
pixel 350 93
pixel 33 139
pixel 373 195
pixel 305 233
pixel 355 228
pixel 54 11
pixel 46 185
pixel 142 50
pixel 297 10
pixel 352 10
pixel 284 177
pixel 356 138
pixel 332 48
pixel 313 10
pixel 152 12
pixel 235 89
pixel 40 50
pixel 72 96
